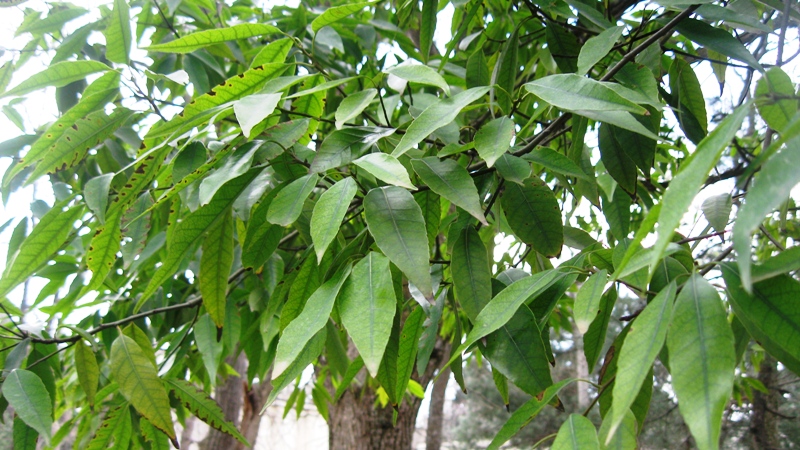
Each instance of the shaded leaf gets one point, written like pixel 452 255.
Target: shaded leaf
pixel 446 178
pixel 534 216
pixel 551 159
pixel 87 369
pixel 115 427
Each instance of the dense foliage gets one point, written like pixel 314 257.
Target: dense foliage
pixel 232 179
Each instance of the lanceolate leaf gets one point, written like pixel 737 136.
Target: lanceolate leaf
pixel 44 241
pixel 587 301
pixel 504 76
pixel 576 93
pixel 28 396
pixel 718 39
pixel 701 359
pixel 102 253
pixel 116 427
pixel 774 92
pixel 386 168
pixel 407 349
pixel 204 107
pixel 769 313
pixel 525 413
pixel 353 105
pixel 436 116
pixel 685 185
pixel 779 175
pixel 534 216
pixel 287 206
pixel 367 307
pixel 335 14
pixel 308 354
pixel 395 221
pixel 215 266
pixel 471 273
pixel 58 75
pixel 118 33
pixel 88 370
pixel 639 351
pixel 139 383
pixel 427 27
pixel 205 38
pixel 329 212
pixel 204 407
pixel 597 47
pixel 446 178
pixel 253 109
pixel 550 159
pixel 577 433
pixel 205 336
pixel 494 139
pixel 418 73
pixel 75 143
pixel 25 437
pixel 308 323
pixel 193 228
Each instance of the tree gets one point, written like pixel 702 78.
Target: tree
pixel 231 180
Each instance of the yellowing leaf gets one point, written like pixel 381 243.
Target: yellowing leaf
pixel 200 39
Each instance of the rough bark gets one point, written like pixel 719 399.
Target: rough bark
pixel 433 436
pixel 764 421
pixel 356 423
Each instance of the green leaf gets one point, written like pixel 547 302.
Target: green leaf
pixel 639 351
pixel 313 318
pixel 551 159
pixel 701 359
pixel 684 186
pixel 385 168
pixel 418 73
pixel 205 336
pixel 341 147
pixel 431 206
pixel 54 21
pixel 618 213
pixel 477 70
pixel 504 76
pixel 576 93
pixel 784 262
pixel 274 52
pixel 116 427
pixel 193 228
pixel 625 436
pixel 367 306
pixel 472 278
pixel 594 338
pixel 778 176
pixel 717 210
pixel 101 91
pixel 505 304
pixel 204 407
pixel 616 160
pixel 236 165
pixel 302 287
pixel 395 221
pixel 157 439
pixel 587 302
pixel 769 314
pixel 427 28
pixel 335 14
pixel 525 413
pixel 774 92
pixel 251 110
pixel 407 349
pixel 201 39
pixel 118 33
pixel 716 38
pixel 95 194
pixel 576 433
pixel 534 216
pixel 309 353
pixel 596 48
pixel 206 106
pixel 25 437
pixel 436 116
pixel 288 204
pixel 41 245
pixel 58 75
pixel 139 382
pixel 494 139
pixel 88 370
pixel 353 105
pixel 75 143
pixel 513 168
pixel 687 100
pixel 215 267
pixel 329 211
pixel 446 178
pixel 135 226
pixel 26 393
pixel 517 350
pixel 563 46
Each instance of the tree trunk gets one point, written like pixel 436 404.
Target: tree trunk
pixel 433 436
pixel 764 422
pixel 356 423
pixel 230 397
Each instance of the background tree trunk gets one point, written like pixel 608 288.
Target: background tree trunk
pixel 230 397
pixel 433 436
pixel 355 423
pixel 764 422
